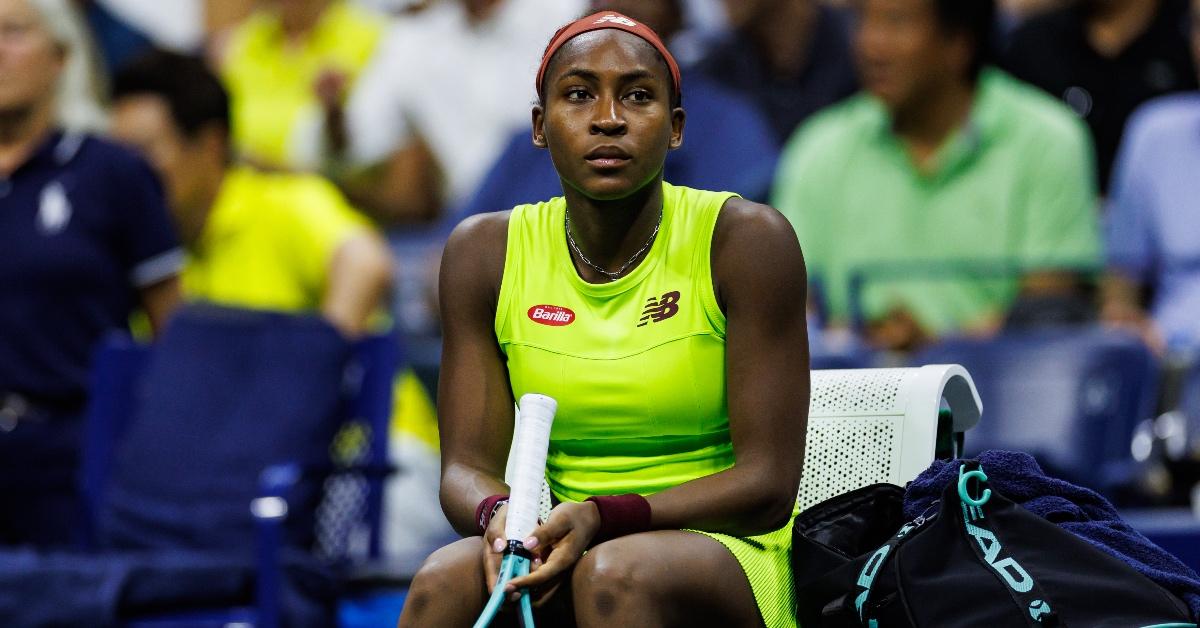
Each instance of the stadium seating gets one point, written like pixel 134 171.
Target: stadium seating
pixel 1069 397
pixel 249 436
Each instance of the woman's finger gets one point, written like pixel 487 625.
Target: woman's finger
pixel 491 566
pixel 560 560
pixel 547 534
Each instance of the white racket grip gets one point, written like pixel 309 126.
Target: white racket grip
pixel 529 472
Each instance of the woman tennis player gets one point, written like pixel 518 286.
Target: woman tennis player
pixel 669 325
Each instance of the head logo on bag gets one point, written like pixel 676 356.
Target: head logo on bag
pixel 1013 574
pixel 1038 608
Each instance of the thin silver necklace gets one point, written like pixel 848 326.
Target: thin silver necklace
pixel 612 275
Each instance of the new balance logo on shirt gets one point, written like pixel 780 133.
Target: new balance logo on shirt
pixel 660 309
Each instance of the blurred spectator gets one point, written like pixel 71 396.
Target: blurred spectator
pixel 792 57
pixel 80 85
pixel 1153 230
pixel 728 144
pixel 437 105
pixel 266 240
pixel 86 238
pixel 288 69
pixel 1104 58
pixel 278 241
pixel 944 163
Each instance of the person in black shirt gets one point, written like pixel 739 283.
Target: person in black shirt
pixel 85 238
pixel 792 57
pixel 1104 58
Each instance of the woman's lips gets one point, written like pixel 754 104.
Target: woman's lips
pixel 608 162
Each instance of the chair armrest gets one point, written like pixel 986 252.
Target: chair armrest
pixel 270 509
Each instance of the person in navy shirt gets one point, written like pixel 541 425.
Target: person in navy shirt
pixel 85 238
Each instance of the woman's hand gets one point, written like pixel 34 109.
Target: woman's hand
pixel 560 542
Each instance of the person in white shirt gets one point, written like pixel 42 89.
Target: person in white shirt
pixel 449 86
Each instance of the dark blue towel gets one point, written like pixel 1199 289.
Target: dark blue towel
pixel 1076 509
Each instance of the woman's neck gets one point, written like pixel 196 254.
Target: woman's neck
pixel 21 130
pixel 609 233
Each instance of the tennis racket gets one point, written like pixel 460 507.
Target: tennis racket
pixel 535 416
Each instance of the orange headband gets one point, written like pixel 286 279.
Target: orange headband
pixel 599 21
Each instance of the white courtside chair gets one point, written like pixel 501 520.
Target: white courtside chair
pixel 867 426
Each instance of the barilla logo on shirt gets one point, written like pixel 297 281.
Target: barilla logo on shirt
pixel 552 315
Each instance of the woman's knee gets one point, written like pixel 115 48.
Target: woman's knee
pixel 450 568
pixel 612 573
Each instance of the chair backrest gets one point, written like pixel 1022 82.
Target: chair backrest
pixel 867 426
pixel 175 450
pixel 1072 398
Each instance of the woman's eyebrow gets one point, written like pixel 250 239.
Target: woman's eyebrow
pixel 590 75
pixel 580 73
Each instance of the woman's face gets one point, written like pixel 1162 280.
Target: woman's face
pixel 30 60
pixel 607 117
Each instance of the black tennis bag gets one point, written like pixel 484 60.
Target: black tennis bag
pixel 979 560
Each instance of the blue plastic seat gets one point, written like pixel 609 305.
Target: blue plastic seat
pixel 254 438
pixel 1070 397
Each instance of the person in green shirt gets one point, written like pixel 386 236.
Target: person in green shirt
pixel 930 202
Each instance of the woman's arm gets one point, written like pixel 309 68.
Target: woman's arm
pixel 760 280
pixel 475 403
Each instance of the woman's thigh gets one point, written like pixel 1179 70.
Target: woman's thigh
pixel 662 578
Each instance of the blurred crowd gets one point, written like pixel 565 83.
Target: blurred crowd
pixel 951 167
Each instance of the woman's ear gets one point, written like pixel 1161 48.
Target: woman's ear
pixel 678 118
pixel 539 132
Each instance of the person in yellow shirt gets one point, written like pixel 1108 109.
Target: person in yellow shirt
pixel 288 68
pixel 270 240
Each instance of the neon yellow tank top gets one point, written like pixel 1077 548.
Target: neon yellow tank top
pixel 637 365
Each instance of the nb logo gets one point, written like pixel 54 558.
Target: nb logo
pixel 660 309
pixel 616 19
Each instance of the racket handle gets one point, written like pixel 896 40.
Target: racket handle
pixel 529 472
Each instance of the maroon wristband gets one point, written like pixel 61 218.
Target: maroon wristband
pixel 620 515
pixel 485 510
